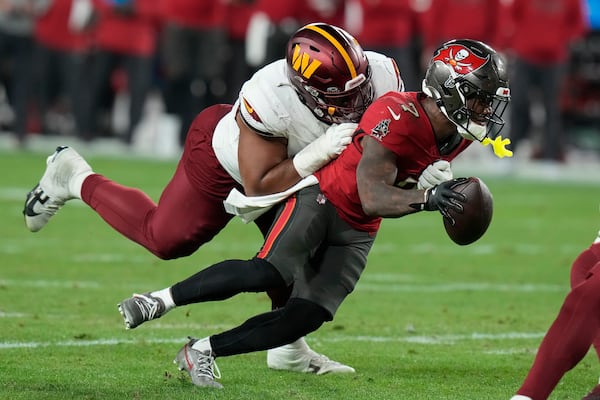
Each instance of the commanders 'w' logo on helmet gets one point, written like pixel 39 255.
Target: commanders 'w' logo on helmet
pixel 330 72
pixel 302 63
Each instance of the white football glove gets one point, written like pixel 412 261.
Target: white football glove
pixel 435 174
pixel 324 148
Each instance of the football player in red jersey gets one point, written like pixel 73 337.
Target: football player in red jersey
pixel 322 234
pixel 575 329
pixel 292 117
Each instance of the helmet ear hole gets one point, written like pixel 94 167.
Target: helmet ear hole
pixel 440 78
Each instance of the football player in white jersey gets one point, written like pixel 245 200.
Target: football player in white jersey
pixel 292 117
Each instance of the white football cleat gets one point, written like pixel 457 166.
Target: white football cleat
pixel 298 357
pixel 65 171
pixel 200 365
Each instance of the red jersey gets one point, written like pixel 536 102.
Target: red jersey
pixel 397 121
pixel 456 19
pixel 52 29
pixel 237 17
pixel 562 21
pixel 304 12
pixel 391 23
pixel 133 35
pixel 195 14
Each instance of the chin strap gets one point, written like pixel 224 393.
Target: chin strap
pixel 499 146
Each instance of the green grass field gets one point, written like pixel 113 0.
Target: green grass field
pixel 428 320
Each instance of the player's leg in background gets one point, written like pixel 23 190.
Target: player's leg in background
pixel 580 270
pixel 552 146
pixel 139 78
pixel 568 339
pixel 190 211
pixel 520 123
pixel 275 328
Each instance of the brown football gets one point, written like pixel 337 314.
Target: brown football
pixel 473 222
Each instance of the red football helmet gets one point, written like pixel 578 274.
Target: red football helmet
pixel 330 72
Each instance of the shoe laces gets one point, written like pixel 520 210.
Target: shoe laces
pixel 149 306
pixel 207 366
pixel 317 358
pixel 52 208
pixel 49 205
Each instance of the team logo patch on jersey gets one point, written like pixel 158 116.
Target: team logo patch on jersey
pixel 460 59
pixel 381 129
pixel 321 199
pixel 250 110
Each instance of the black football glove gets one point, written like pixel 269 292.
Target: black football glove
pixel 441 198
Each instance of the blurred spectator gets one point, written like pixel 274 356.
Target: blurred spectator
pixel 238 71
pixel 125 39
pixel 60 62
pixel 454 19
pixel 274 21
pixel 541 35
pixel 193 53
pixel 391 27
pixel 16 51
pixel 593 7
pixel 580 94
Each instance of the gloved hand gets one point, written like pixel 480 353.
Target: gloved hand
pixel 435 174
pixel 323 149
pixel 442 198
pixel 337 138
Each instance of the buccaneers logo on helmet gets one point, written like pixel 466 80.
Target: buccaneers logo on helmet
pixel 460 58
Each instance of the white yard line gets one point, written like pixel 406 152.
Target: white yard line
pixel 458 287
pixel 12 315
pixel 438 339
pixel 404 283
pixel 426 340
pixel 41 283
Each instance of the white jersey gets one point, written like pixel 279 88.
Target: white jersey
pixel 270 105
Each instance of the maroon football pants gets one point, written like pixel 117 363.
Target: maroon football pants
pixel 190 210
pixel 575 329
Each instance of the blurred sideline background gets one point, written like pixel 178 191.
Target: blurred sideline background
pixel 126 77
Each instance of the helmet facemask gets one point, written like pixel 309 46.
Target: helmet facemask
pixel 481 114
pixel 347 106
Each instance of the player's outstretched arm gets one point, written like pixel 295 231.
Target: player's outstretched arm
pixel 264 164
pixel 376 176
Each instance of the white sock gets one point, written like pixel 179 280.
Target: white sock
pixel 520 397
pixel 298 345
pixel 76 182
pixel 165 296
pixel 203 345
